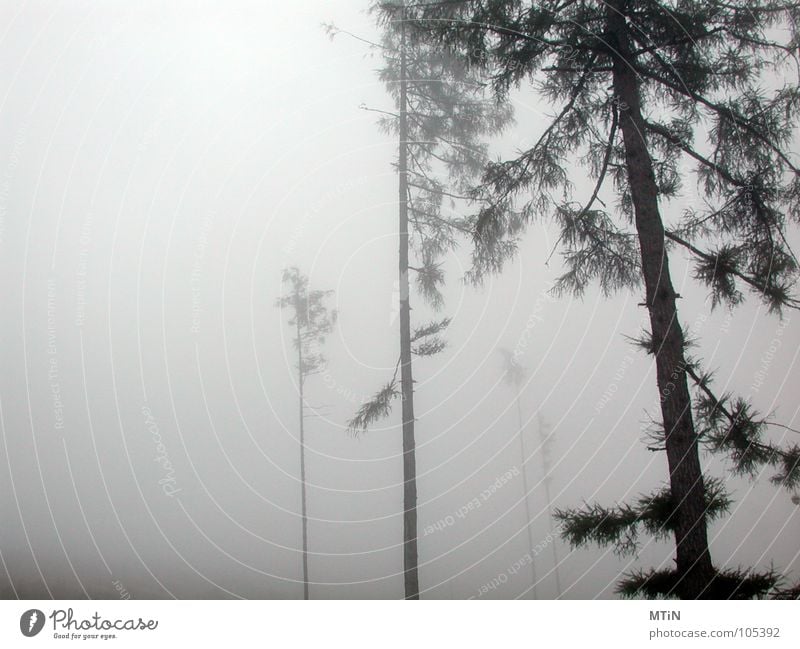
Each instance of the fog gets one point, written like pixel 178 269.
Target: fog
pixel 159 167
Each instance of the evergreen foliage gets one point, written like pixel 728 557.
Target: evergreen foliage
pixel 449 113
pixel 651 100
pixel 312 321
pixel 619 526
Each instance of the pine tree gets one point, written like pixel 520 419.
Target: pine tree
pixel 441 111
pixel 641 88
pixel 514 375
pixel 312 321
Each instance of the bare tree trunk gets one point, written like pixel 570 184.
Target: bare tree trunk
pixel 549 499
pixel 526 495
pixel 694 565
pixel 406 380
pixel 302 459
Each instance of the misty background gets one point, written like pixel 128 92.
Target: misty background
pixel 159 166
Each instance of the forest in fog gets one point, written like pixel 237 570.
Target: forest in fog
pixel 394 299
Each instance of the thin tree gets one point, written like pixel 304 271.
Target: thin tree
pixel 410 552
pixel 546 442
pixel 440 111
pixel 312 321
pixel 514 375
pixel 641 88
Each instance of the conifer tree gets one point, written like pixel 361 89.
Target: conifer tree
pixel 640 89
pixel 312 321
pixel 514 375
pixel 440 112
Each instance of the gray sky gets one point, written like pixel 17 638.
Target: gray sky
pixel 158 168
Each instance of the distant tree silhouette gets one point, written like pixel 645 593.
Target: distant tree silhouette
pixel 312 321
pixel 514 375
pixel 546 442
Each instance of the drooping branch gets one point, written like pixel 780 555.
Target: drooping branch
pixel 612 134
pixel 619 526
pixel 731 269
pixel 741 435
pixel 722 111
pixel 378 407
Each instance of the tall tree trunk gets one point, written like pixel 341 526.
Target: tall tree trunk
pixel 406 381
pixel 526 494
pixel 548 496
pixel 301 378
pixel 693 559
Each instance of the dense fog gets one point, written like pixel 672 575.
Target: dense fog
pixel 160 165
